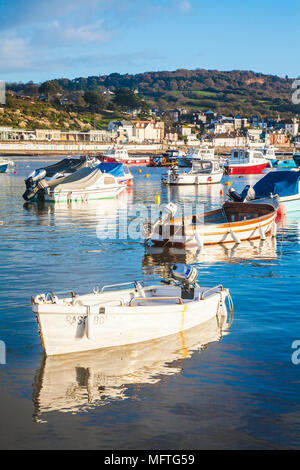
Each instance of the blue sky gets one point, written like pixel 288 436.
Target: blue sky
pixel 41 40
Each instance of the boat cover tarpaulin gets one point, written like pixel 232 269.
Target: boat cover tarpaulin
pixel 67 165
pixel 116 169
pixel 81 179
pixel 283 183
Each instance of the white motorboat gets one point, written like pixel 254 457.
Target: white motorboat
pixel 202 172
pixel 198 153
pixel 83 185
pixel 109 318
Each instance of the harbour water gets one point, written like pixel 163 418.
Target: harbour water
pixel 203 389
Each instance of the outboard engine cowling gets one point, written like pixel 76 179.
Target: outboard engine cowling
pixel 34 177
pixel 187 276
pixel 234 195
pixel 184 273
pixel 248 194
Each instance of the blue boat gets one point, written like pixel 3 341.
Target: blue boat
pixel 3 168
pixel 4 164
pixel 283 183
pixel 283 164
pixel 118 170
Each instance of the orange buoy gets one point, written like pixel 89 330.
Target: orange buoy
pixel 129 183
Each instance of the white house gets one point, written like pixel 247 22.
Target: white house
pixel 292 127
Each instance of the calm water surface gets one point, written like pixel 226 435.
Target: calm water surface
pixel 205 389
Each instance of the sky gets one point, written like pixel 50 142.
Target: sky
pixel 41 40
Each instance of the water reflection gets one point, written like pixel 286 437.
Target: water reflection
pixel 211 254
pixel 211 194
pixel 79 382
pixel 104 212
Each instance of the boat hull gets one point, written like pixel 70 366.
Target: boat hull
pixel 181 234
pixel 245 169
pixel 183 180
pixel 142 161
pixel 291 203
pixel 68 329
pixel 84 195
pixel 3 168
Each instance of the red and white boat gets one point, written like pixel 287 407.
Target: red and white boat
pixel 120 155
pixel 245 162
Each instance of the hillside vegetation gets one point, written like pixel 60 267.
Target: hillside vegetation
pixel 230 93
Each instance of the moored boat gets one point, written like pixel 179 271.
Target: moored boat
pixel 120 171
pixel 245 162
pixel 5 164
pixel 202 172
pixel 120 155
pixel 285 184
pixel 118 317
pixel 83 185
pixel 233 222
pixel 202 152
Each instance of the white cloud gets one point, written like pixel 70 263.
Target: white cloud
pixel 15 54
pixel 184 5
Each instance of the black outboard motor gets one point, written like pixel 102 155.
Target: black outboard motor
pixel 186 275
pixel 248 194
pixel 234 195
pixel 32 184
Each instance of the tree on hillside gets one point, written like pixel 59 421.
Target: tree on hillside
pixel 50 88
pixel 126 99
pixel 95 100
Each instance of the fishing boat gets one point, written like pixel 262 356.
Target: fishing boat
pixel 120 155
pixel 285 184
pixel 5 164
pixel 83 185
pixel 233 222
pixel 198 153
pixel 111 317
pixel 202 172
pixel 245 162
pixel 120 171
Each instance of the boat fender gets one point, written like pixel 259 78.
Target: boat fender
pixel 281 211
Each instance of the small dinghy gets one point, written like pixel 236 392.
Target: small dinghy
pixel 202 172
pixel 110 317
pixel 5 164
pixel 233 222
pixel 84 185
